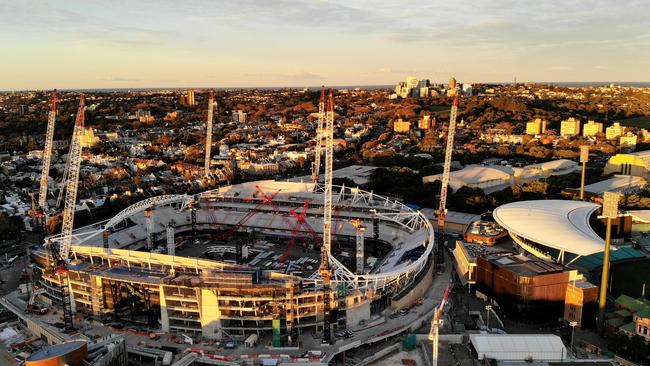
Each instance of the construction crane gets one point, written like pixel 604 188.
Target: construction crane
pixel 300 222
pixel 47 153
pixel 325 270
pixel 60 254
pixel 360 229
pixel 208 135
pixel 436 323
pixel 442 207
pixel 319 137
pixel 38 211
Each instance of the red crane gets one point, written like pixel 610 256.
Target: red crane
pixel 300 222
pixel 266 200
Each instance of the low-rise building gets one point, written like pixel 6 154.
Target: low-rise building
pixel 636 163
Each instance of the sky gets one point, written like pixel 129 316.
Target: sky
pixel 241 43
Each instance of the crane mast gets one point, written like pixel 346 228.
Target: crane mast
pixel 47 153
pixel 436 322
pixel 74 158
pixel 442 208
pixel 208 135
pixel 325 270
pixel 319 137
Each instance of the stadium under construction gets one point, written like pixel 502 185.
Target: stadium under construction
pixel 240 260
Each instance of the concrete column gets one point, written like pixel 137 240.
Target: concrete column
pixel 210 314
pixel 164 317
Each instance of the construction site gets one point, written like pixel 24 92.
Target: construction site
pixel 258 262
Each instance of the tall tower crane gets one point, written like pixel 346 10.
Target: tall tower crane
pixel 47 152
pixel 325 270
pixel 442 207
pixel 38 211
pixel 319 137
pixel 60 254
pixel 436 323
pixel 208 135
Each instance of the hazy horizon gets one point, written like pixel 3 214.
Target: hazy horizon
pixel 163 44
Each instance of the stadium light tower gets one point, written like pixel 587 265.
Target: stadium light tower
pixel 610 211
pixel 584 158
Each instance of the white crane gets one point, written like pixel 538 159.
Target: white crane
pixel 436 322
pixel 60 255
pixel 208 135
pixel 74 167
pixel 319 137
pixel 325 270
pixel 442 207
pixel 47 153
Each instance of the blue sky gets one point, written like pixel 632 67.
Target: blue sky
pixel 146 43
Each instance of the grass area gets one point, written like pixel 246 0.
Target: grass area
pixel 639 122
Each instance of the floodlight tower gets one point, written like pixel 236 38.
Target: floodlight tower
pixel 610 211
pixel 208 135
pixel 584 158
pixel 325 269
pixel 319 137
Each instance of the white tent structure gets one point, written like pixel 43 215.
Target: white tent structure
pixel 519 347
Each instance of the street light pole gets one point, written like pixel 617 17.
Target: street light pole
pixel 584 157
pixel 573 329
pixel 488 308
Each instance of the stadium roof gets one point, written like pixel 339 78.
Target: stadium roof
pixel 518 347
pixel 473 174
pixel 618 183
pixel 559 224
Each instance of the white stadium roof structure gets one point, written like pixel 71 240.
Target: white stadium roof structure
pixel 561 225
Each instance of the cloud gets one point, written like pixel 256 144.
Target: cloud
pixel 559 68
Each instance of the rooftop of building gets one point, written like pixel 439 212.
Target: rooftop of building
pixel 618 183
pixel 525 266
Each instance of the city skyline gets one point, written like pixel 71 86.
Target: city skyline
pixel 249 43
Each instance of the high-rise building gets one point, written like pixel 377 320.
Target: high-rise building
pixel 452 83
pixel 23 109
pixel 467 90
pixel 188 99
pixel 239 116
pixel 591 128
pixel 536 127
pixel 424 123
pixel 401 126
pixel 570 127
pixel 614 131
